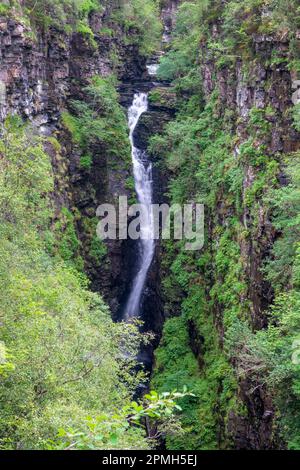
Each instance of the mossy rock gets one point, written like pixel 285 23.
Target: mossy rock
pixel 164 98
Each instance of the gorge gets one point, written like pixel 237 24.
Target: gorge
pixel 162 102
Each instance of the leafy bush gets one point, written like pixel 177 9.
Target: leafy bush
pixel 86 162
pixel 4 9
pixel 125 425
pixel 66 243
pixel 99 119
pixel 60 352
pixel 184 53
pixel 84 29
pixel 141 25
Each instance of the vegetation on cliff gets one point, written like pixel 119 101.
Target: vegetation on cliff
pixel 99 118
pixel 224 157
pixel 136 20
pixel 67 372
pixel 232 331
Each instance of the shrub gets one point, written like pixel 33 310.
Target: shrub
pixel 99 119
pixel 60 351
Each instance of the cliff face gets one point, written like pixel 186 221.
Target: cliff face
pixel 261 87
pixel 40 73
pixel 37 68
pixel 227 149
pixel 241 89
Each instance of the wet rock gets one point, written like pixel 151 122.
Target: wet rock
pixel 150 123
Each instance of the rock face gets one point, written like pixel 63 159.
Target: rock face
pixel 39 73
pixel 263 86
pixel 168 14
pixel 242 89
pixel 36 73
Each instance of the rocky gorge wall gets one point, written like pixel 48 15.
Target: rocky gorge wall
pixel 268 87
pixel 227 149
pixel 239 112
pixel 40 72
pixel 263 87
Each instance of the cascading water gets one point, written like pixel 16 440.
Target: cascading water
pixel 152 69
pixel 142 171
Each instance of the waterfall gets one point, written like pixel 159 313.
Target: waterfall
pixel 142 171
pixel 152 69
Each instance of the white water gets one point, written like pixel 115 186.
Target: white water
pixel 152 69
pixel 142 171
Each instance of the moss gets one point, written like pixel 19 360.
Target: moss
pixel 106 32
pixel 55 144
pixel 4 10
pixel 85 30
pixel 86 162
pixel 163 97
pixel 66 242
pixel 141 25
pixel 98 250
pixel 70 123
pixel 95 249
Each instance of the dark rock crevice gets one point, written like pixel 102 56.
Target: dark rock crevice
pixel 151 122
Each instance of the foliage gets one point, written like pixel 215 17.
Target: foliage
pixel 58 13
pixel 296 116
pixel 99 119
pixel 136 21
pixel 176 364
pixel 109 430
pixel 141 24
pixel 183 55
pixel 216 156
pixel 26 175
pixel 86 161
pixel 285 205
pixel 271 357
pixel 85 30
pixel 66 243
pixel 62 359
pixel 60 352
pixel 4 9
pixel 96 248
